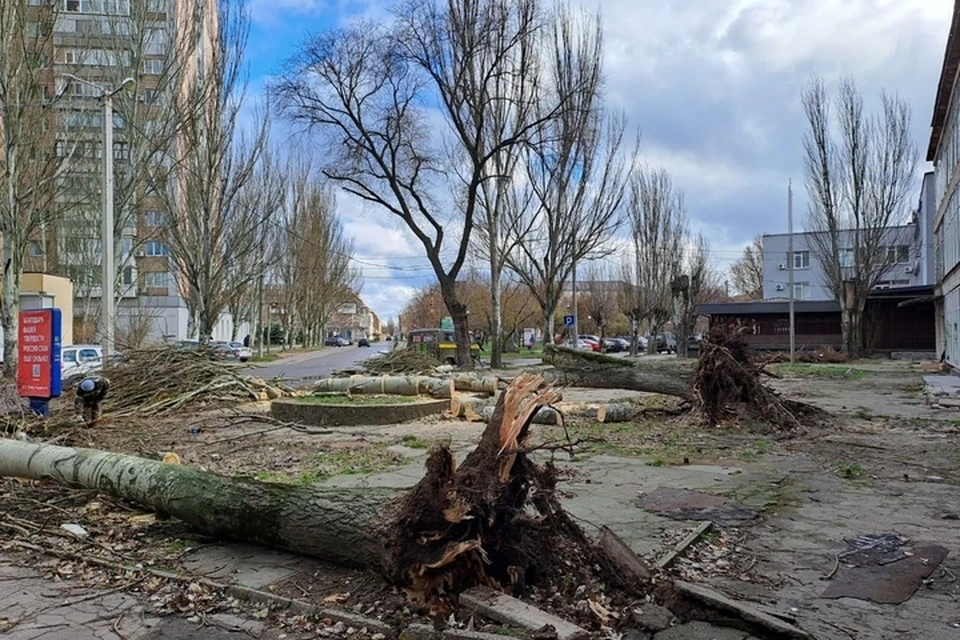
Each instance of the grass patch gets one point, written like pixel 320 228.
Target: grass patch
pixel 267 357
pixel 413 442
pixel 358 399
pixel 805 370
pixel 354 461
pixel 851 470
pixel 536 352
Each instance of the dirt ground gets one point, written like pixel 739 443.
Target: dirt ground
pixel 888 462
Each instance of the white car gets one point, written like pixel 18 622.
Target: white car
pixel 243 353
pixel 79 360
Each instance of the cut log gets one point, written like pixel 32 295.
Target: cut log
pixel 476 383
pixel 546 415
pixel 396 385
pixel 587 369
pixel 617 412
pixel 469 407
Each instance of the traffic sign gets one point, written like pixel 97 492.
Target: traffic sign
pixel 569 321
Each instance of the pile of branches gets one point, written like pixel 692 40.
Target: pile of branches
pixel 401 362
pixel 151 382
pixel 727 386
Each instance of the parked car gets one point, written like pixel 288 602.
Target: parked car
pixel 666 342
pixel 583 345
pixel 333 341
pixel 594 341
pixel 244 353
pixel 79 360
pixel 615 345
pixel 345 342
pixel 363 342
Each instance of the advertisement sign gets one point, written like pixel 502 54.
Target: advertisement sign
pixel 529 336
pixel 38 370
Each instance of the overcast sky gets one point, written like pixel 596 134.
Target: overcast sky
pixel 714 85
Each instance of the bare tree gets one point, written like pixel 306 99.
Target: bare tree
pixel 371 88
pixel 32 160
pixel 315 267
pixel 224 186
pixel 859 172
pixel 658 231
pixel 690 289
pixel 575 169
pixel 747 271
pixel 601 300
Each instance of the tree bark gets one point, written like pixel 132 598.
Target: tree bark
pixel 10 315
pixel 339 525
pixel 397 385
pixel 586 369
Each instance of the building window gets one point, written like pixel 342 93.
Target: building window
pixel 127 276
pixel 898 255
pixel 71 5
pixel 154 218
pixel 155 248
pixel 153 66
pixel 846 258
pixel 121 151
pixel 156 279
pixel 36 249
pixel 801 290
pixel 801 259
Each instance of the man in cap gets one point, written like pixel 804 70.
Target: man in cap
pixel 90 394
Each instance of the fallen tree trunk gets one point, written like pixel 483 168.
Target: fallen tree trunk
pixel 469 407
pixel 494 520
pixel 722 384
pixel 396 385
pixel 587 369
pixel 546 415
pixel 338 525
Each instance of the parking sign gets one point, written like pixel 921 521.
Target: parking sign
pixel 569 321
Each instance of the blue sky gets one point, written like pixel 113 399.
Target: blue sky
pixel 714 85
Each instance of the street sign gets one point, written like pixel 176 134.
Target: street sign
pixel 569 321
pixel 38 355
pixel 446 324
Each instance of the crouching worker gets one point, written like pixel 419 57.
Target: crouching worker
pixel 90 394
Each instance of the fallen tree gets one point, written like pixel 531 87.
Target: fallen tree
pixel 494 520
pixel 724 383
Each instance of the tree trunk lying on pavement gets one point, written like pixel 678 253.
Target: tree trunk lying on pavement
pixel 722 384
pixel 494 520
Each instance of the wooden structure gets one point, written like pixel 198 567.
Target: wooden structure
pixel 898 319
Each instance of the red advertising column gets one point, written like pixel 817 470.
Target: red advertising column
pixel 38 354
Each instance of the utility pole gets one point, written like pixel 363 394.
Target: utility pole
pixel 793 336
pixel 106 288
pixel 260 303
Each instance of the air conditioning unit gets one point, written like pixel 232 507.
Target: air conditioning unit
pixel 780 287
pixel 139 253
pixel 781 267
pixel 908 269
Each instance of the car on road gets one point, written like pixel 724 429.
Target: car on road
pixel 363 342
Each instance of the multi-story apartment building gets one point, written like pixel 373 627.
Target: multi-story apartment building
pixel 944 152
pixel 908 254
pixel 96 45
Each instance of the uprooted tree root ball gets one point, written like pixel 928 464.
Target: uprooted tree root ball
pixel 727 386
pixel 495 520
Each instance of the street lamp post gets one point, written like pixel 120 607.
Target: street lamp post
pixel 108 275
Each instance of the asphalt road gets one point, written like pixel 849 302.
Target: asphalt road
pixel 317 364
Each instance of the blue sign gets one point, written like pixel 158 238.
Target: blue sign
pixel 569 321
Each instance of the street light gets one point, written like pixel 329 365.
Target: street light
pixel 108 275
